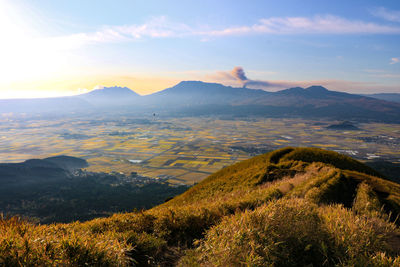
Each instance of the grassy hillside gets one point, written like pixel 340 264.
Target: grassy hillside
pixel 290 207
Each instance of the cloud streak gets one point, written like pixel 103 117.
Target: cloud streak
pixel 157 27
pixel 389 15
pixel 302 25
pixel 162 27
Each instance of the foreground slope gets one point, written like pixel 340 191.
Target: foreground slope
pixel 290 207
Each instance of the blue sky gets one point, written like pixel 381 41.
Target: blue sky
pixel 67 47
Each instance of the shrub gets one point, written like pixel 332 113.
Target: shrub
pixel 26 244
pixel 366 201
pixel 358 238
pixel 329 157
pixel 281 233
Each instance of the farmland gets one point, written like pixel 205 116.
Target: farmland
pixel 185 149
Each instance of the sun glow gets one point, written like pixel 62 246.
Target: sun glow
pixel 26 55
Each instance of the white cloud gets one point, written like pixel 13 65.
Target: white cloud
pixel 157 27
pixel 316 25
pixel 394 60
pixel 162 27
pixel 382 73
pixel 389 15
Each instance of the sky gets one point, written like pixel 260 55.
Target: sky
pixel 54 48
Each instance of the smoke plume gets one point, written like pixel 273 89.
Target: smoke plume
pixel 239 74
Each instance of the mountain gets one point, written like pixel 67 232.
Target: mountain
pixel 110 96
pixel 289 207
pixel 343 126
pixel 193 98
pixel 199 98
pixel 393 97
pixel 315 92
pixel 99 98
pixel 319 96
pixel 67 163
pixel 39 170
pixel 311 92
pixel 197 93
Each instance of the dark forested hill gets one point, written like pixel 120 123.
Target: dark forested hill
pixel 55 189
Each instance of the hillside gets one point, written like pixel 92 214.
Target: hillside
pixel 345 125
pixel 289 207
pixel 394 97
pixel 55 189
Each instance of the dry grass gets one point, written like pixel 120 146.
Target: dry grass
pixel 296 232
pixel 269 210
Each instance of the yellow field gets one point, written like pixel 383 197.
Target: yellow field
pixel 200 146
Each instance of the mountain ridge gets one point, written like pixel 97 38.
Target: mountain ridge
pixel 392 97
pixel 288 207
pixel 192 98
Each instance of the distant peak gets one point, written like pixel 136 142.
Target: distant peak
pixel 316 88
pixel 114 88
pixel 198 86
pixel 112 91
pixel 292 90
pixel 189 82
pixel 295 89
pixel 196 83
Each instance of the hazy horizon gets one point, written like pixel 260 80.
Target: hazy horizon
pixel 100 87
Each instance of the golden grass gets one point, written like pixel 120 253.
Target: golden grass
pixel 275 209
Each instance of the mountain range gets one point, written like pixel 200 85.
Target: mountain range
pixel 200 98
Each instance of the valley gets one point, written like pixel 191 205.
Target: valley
pixel 182 150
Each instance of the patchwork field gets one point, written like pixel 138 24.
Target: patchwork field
pixel 185 150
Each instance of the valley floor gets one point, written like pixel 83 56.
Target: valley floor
pixel 184 149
